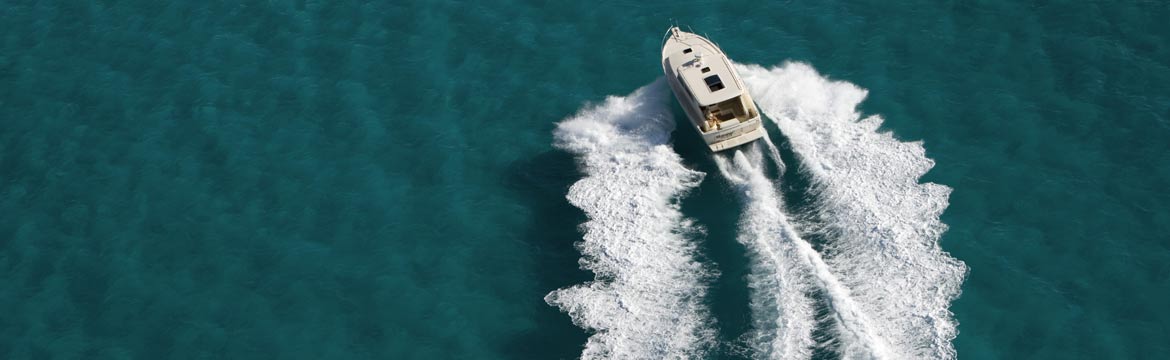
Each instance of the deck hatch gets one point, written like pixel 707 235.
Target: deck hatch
pixel 714 83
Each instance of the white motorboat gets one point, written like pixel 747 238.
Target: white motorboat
pixel 710 91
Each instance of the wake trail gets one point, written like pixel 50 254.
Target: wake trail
pixel 646 301
pixel 880 224
pixel 786 267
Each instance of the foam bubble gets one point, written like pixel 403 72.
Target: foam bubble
pixel 785 267
pixel 882 226
pixel 646 301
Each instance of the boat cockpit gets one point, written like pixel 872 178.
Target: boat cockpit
pixel 726 113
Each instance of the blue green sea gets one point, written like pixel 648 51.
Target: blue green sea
pixel 504 179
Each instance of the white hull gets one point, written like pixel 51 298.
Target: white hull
pixel 710 91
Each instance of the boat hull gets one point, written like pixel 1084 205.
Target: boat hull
pixel 745 130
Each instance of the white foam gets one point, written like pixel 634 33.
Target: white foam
pixel 647 299
pixel 882 226
pixel 784 268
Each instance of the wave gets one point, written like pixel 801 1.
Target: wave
pixel 785 269
pixel 880 224
pixel 647 299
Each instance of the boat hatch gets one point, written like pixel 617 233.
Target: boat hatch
pixel 714 83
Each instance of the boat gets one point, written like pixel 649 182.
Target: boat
pixel 710 91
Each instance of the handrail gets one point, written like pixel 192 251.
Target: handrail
pixel 671 32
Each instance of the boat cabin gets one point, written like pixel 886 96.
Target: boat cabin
pixel 722 100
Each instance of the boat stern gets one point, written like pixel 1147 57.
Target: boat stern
pixel 749 131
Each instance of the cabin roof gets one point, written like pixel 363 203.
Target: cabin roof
pixel 702 67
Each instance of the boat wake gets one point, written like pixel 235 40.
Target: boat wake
pixel 786 269
pixel 881 227
pixel 646 301
pixel 878 288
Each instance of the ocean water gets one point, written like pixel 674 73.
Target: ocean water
pixel 513 180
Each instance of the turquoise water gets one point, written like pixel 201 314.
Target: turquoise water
pixel 298 179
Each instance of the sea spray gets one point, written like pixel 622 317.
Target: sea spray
pixel 646 301
pixel 881 226
pixel 786 267
pixel 782 309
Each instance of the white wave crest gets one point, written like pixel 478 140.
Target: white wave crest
pixel 882 226
pixel 646 301
pixel 785 267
